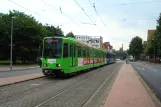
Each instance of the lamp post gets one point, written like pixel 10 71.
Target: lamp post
pixel 11 42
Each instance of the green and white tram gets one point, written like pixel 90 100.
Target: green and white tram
pixel 62 56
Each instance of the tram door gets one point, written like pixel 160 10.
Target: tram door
pixel 73 54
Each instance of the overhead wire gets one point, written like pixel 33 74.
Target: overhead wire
pixel 31 11
pixel 87 15
pixel 97 12
pixel 62 13
pixel 123 4
pixel 35 13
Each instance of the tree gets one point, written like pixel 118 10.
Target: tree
pixel 154 42
pixel 136 47
pixel 70 34
pixel 52 31
pixel 121 54
pixel 158 37
pixel 27 35
pixel 149 50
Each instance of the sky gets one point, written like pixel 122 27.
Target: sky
pixel 117 21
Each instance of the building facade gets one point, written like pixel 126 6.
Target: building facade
pixel 150 33
pixel 95 41
pixel 107 46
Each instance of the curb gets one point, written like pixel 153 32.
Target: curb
pixel 11 83
pixel 19 69
pixel 109 89
pixel 154 99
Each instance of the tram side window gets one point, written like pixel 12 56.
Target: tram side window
pixel 74 49
pixel 87 53
pixel 91 53
pixel 95 54
pixel 65 53
pixel 79 52
pixel 84 53
pixel 70 50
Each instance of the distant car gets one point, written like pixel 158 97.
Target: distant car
pixel 117 59
pixel 131 59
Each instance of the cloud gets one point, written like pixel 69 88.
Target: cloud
pixel 117 32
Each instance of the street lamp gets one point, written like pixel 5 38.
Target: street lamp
pixel 11 42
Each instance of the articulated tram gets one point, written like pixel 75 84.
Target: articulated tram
pixel 63 56
pixel 110 58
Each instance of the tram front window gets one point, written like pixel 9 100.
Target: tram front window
pixel 53 48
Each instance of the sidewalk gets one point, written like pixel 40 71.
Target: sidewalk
pixel 128 91
pixel 15 79
pixel 17 67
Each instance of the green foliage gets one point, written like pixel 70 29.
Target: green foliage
pixel 27 35
pixel 52 31
pixel 121 54
pixel 154 42
pixel 70 34
pixel 136 46
pixel 149 50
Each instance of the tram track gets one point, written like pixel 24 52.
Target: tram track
pixel 80 83
pixel 33 96
pixel 99 88
pixel 27 87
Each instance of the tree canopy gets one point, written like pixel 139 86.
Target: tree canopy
pixel 70 34
pixel 154 42
pixel 136 47
pixel 120 54
pixel 27 35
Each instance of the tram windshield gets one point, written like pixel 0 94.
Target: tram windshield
pixel 53 48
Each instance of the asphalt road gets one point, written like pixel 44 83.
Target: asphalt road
pixel 151 74
pixel 85 90
pixel 5 74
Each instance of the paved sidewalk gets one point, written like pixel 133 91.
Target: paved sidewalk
pixel 16 67
pixel 15 79
pixel 128 91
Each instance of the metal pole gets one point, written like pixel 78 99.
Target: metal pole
pixel 11 42
pixel 154 50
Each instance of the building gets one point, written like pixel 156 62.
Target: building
pixel 107 46
pixel 144 44
pixel 83 38
pixel 96 41
pixel 150 33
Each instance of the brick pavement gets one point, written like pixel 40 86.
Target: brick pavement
pixel 128 91
pixel 7 67
pixel 15 79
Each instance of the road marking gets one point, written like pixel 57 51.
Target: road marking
pixel 33 67
pixel 35 84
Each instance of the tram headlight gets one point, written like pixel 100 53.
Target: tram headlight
pixel 58 65
pixel 45 65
